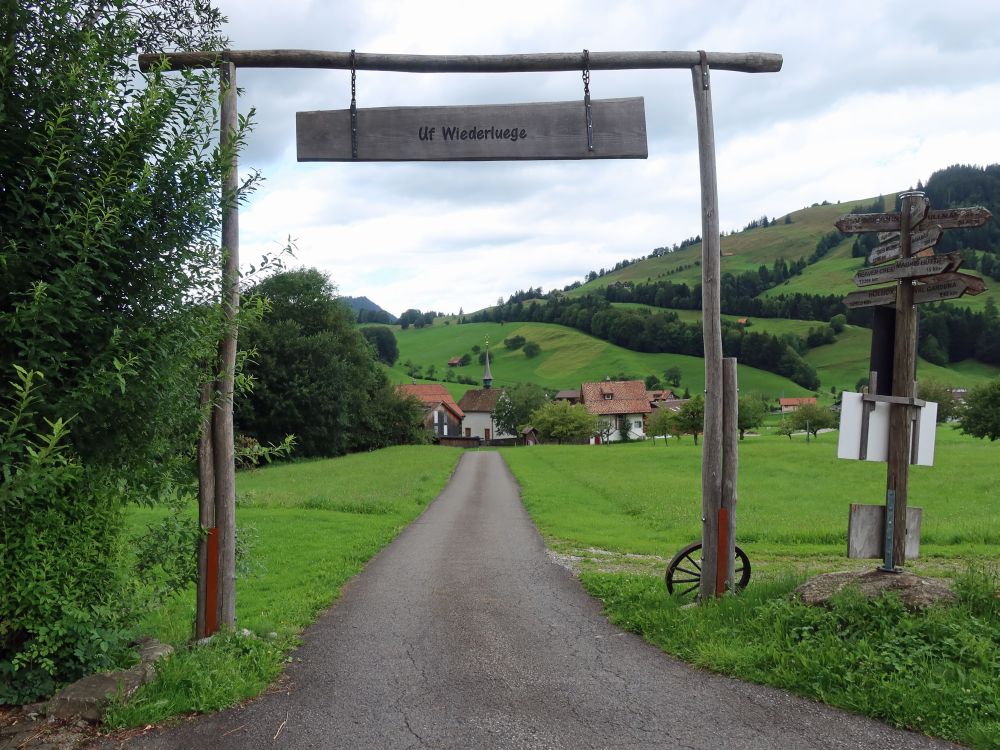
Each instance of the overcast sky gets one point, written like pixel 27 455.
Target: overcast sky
pixel 873 96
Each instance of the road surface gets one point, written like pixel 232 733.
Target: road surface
pixel 463 634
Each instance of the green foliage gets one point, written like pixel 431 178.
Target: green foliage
pixel 673 376
pixel 752 410
pixel 690 420
pixel 515 407
pixel 108 220
pixel 532 349
pixel 980 414
pixel 109 214
pixel 314 374
pixel 812 418
pixel 383 341
pixel 561 421
pixel 662 422
pixel 514 342
pixel 65 593
pixel 939 393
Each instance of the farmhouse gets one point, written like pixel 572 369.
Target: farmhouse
pixel 621 405
pixel 793 404
pixel 478 406
pixel 442 415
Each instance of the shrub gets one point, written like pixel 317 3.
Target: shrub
pixel 64 603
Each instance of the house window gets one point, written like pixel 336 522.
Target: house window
pixel 468 432
pixel 608 396
pixel 637 425
pixel 446 429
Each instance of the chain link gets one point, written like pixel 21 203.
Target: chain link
pixel 354 107
pixel 586 100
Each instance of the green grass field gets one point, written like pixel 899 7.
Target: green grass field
pixel 793 497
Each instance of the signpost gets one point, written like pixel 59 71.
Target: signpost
pixel 492 132
pixel 920 276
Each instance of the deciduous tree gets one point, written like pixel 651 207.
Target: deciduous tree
pixel 980 414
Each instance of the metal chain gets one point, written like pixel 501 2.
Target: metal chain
pixel 354 108
pixel 586 100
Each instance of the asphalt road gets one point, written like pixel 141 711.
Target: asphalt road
pixel 462 634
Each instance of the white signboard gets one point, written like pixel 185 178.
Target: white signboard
pixel 851 414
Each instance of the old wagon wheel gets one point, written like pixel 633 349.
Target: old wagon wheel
pixel 684 571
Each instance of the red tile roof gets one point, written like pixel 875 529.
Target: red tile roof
pixel 796 401
pixel 483 399
pixel 431 394
pixel 627 397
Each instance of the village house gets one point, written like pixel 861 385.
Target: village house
pixel 442 416
pixel 622 407
pixel 478 406
pixel 793 404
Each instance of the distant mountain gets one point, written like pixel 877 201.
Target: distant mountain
pixel 368 312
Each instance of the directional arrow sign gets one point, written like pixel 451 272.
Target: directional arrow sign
pixel 885 295
pixel 889 249
pixel 955 218
pixel 909 268
pixel 941 287
pixel 883 222
pixel 973 284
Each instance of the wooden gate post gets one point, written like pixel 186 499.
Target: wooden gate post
pixel 730 464
pixel 711 451
pixel 222 427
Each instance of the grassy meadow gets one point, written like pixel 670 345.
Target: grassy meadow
pixel 794 497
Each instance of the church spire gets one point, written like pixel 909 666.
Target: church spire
pixel 487 375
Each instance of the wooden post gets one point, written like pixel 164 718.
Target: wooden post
pixel 222 426
pixel 904 360
pixel 711 451
pixel 207 587
pixel 730 465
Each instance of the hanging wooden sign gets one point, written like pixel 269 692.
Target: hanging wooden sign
pixel 492 132
pixel 912 267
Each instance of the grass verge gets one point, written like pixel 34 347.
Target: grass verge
pixel 311 526
pixel 936 672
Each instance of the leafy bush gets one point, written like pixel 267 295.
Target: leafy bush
pixel 514 342
pixel 64 601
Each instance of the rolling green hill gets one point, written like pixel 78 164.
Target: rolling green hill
pixel 567 358
pixel 749 249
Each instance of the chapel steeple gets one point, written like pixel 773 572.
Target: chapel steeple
pixel 487 375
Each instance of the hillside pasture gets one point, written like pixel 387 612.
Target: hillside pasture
pixel 568 357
